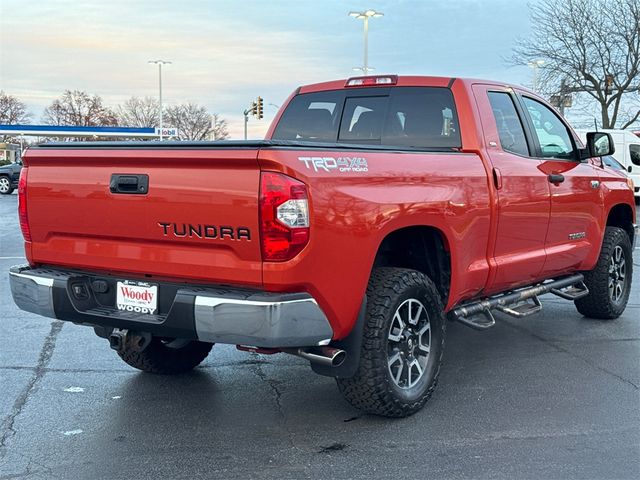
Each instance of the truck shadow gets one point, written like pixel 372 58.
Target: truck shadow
pixel 239 415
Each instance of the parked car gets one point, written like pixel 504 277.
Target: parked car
pixel 377 209
pixel 9 176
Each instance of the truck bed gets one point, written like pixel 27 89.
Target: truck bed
pixel 197 221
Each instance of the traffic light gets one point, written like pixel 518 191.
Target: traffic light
pixel 259 105
pixel 254 109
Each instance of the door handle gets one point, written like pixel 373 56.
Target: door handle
pixel 497 178
pixel 556 178
pixel 131 184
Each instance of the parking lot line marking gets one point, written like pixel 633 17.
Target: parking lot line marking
pixel 12 258
pixel 74 389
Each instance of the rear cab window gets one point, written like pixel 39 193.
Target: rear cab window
pixel 407 117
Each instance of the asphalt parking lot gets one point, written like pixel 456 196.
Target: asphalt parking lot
pixel 551 396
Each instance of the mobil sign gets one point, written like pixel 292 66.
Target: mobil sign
pixel 168 132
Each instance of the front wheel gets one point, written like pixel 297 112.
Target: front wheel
pixel 609 283
pixel 403 342
pixel 5 185
pixel 167 356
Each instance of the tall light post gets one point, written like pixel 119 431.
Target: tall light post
pixel 535 65
pixel 366 15
pixel 361 69
pixel 160 63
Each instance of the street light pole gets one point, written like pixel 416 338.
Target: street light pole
pixel 366 45
pixel 246 120
pixel 563 93
pixel 160 63
pixel 535 65
pixel 366 15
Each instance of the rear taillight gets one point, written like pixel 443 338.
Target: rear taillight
pixel 284 216
pixel 22 205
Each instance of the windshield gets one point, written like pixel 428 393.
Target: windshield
pixel 410 117
pixel 613 163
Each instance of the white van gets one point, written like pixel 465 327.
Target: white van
pixel 627 152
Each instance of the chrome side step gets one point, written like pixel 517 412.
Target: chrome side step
pixel 520 303
pixel 522 309
pixel 480 321
pixel 572 292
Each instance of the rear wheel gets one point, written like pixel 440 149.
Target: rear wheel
pixel 402 345
pixel 167 356
pixel 5 185
pixel 609 282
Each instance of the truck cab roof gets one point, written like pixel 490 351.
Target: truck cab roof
pixel 399 81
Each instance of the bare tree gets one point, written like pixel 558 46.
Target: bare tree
pixel 79 108
pixel 590 46
pixel 219 127
pixel 192 121
pixel 13 111
pixel 139 112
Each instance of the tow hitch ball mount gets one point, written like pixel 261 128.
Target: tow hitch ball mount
pixel 121 339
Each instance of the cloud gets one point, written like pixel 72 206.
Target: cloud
pixel 227 53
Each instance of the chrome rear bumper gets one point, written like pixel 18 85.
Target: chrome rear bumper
pixel 208 313
pixel 263 320
pixel 32 294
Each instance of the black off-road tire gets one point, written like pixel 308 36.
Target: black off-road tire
pixel 161 358
pixel 372 389
pixel 598 303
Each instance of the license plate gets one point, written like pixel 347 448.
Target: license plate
pixel 139 297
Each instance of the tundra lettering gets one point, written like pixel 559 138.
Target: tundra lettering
pixel 204 231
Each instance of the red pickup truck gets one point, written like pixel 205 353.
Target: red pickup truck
pixel 376 209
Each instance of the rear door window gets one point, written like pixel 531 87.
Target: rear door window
pixel 508 123
pixel 409 117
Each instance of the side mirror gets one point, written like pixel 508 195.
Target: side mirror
pixel 599 144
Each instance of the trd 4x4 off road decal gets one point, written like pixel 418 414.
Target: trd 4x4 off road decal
pixel 341 164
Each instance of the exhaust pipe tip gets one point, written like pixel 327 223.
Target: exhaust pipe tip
pixel 339 358
pixel 328 356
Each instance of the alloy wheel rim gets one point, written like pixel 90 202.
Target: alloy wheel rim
pixel 409 343
pixel 617 274
pixel 4 185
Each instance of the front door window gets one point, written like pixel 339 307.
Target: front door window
pixel 553 136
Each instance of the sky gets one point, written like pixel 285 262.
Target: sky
pixel 226 53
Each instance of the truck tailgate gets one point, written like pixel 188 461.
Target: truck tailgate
pixel 198 219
